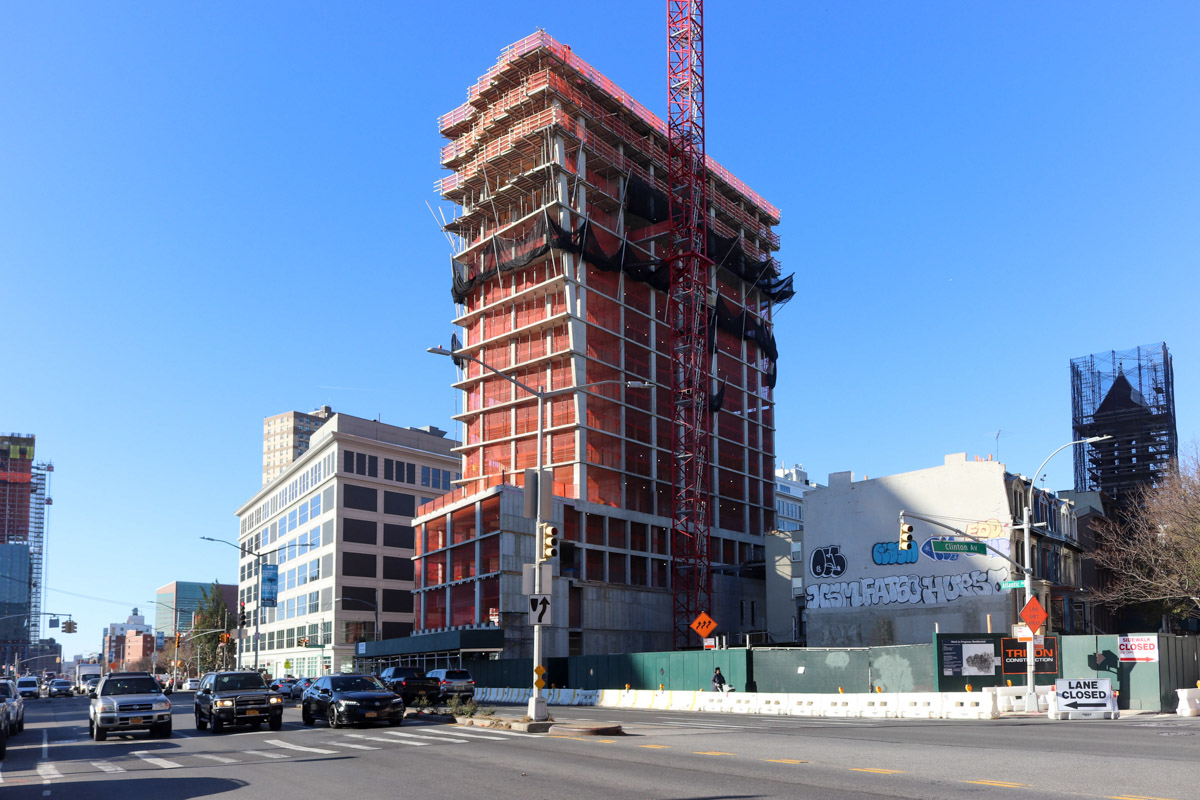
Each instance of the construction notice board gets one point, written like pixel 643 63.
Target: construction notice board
pixel 1013 654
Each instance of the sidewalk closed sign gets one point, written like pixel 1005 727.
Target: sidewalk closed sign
pixel 1138 648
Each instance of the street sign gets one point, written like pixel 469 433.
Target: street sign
pixel 539 670
pixel 1012 584
pixel 538 680
pixel 710 643
pixel 269 583
pixel 943 546
pixel 1034 615
pixel 547 570
pixel 1084 695
pixel 703 624
pixel 1137 648
pixel 539 609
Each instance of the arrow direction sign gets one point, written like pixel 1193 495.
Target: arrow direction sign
pixel 539 609
pixel 1076 704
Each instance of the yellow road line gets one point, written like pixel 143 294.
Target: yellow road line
pixel 880 771
pixel 1005 784
pixel 784 761
pixel 656 746
pixel 1135 797
pixel 711 753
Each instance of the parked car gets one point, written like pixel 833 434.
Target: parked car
pixel 239 697
pixel 90 685
pixel 282 685
pixel 454 683
pixel 349 699
pixel 16 706
pixel 5 725
pixel 297 688
pixel 27 686
pixel 128 701
pixel 60 688
pixel 410 683
pixel 191 685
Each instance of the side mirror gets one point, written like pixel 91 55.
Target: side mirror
pixel 167 690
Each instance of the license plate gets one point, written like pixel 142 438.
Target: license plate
pixel 369 714
pixel 421 692
pixel 252 712
pixel 135 721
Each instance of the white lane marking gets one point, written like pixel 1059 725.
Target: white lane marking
pixel 351 745
pixel 48 771
pixel 263 754
pixel 45 743
pixel 703 725
pixel 512 733
pixel 218 759
pixel 378 739
pixel 107 766
pixel 145 755
pixel 421 736
pixel 459 732
pixel 290 746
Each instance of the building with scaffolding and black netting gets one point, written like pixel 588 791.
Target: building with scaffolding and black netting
pixel 1128 395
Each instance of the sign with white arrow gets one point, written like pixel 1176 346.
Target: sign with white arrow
pixel 539 609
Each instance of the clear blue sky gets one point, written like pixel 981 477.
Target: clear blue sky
pixel 214 212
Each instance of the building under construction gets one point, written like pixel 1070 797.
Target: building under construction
pixel 24 497
pixel 560 230
pixel 1130 396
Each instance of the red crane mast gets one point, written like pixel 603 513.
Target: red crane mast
pixel 688 303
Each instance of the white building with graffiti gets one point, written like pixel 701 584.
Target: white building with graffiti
pixel 854 587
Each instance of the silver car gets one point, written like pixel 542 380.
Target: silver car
pixel 16 706
pixel 128 701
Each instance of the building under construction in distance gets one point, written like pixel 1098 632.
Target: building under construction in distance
pixel 561 221
pixel 24 497
pixel 1130 396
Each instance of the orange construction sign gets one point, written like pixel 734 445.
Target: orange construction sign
pixel 1034 615
pixel 703 624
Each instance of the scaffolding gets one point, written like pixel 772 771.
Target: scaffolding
pixel 24 498
pixel 562 230
pixel 1128 395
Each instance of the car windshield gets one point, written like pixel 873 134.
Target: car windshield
pixel 146 685
pixel 62 683
pixel 5 690
pixel 356 683
pixel 227 682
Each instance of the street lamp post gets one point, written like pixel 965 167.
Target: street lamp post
pixel 374 606
pixel 537 703
pixel 258 557
pixel 1031 704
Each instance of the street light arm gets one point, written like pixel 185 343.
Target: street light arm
pixel 1033 481
pixel 441 351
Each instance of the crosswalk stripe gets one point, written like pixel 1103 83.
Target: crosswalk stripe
pixel 144 755
pixel 290 746
pixel 351 745
pixel 48 771
pixel 218 759
pixel 457 732
pixel 107 766
pixel 376 738
pixel 430 738
pixel 509 733
pixel 263 754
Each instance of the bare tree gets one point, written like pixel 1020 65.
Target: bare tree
pixel 1151 552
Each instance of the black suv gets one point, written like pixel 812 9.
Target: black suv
pixel 237 698
pixel 410 683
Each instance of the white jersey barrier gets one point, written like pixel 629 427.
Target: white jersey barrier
pixel 1189 702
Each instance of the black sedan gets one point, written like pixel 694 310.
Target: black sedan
pixel 348 699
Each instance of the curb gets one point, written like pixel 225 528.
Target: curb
pixel 587 730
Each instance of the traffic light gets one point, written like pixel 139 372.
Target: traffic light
pixel 304 641
pixel 69 626
pixel 548 546
pixel 224 637
pixel 906 536
pixel 178 640
pixel 242 616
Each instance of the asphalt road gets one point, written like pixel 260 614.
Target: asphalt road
pixel 664 755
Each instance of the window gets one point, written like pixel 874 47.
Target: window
pixel 358 565
pixel 437 479
pixel 348 466
pixel 291 519
pixel 314 569
pixel 360 531
pixel 397 569
pixel 397 601
pixel 398 504
pixel 425 476
pixel 388 466
pixel 372 466
pixel 398 536
pixel 314 602
pixel 446 479
pixel 360 497
pixel 411 469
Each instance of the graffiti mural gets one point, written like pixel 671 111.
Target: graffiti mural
pixel 888 553
pixel 906 589
pixel 827 562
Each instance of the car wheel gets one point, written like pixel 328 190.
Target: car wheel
pixel 395 721
pixel 305 715
pixel 4 742
pixel 201 722
pixel 21 724
pixel 276 723
pixel 335 719
pixel 98 733
pixel 218 725
pixel 162 730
